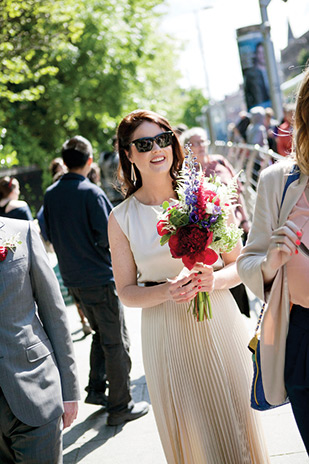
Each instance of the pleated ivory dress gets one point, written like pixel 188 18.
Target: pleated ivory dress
pixel 198 373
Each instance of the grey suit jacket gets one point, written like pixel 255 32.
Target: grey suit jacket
pixel 37 366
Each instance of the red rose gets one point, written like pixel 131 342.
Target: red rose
pixel 161 228
pixel 190 243
pixel 3 253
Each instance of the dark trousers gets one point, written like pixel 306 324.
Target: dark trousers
pixel 297 369
pixel 109 356
pixel 22 444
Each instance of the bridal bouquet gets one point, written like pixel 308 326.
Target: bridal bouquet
pixel 195 226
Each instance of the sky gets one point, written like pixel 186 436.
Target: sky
pixel 218 26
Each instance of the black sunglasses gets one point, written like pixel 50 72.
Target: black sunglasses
pixel 146 143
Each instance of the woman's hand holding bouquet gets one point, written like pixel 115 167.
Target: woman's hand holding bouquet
pixel 188 284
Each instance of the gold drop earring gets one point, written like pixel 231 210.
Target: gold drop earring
pixel 133 174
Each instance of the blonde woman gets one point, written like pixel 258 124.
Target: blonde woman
pixel 275 266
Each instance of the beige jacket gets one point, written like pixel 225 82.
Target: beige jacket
pixel 267 217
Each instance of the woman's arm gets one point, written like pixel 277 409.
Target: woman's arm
pixel 265 222
pixel 228 277
pixel 124 268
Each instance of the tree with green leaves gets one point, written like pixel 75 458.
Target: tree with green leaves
pixel 194 105
pixel 72 67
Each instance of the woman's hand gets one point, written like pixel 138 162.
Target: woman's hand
pixel 283 244
pixel 204 277
pixel 184 289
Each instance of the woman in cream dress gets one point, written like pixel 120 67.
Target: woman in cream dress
pixel 198 373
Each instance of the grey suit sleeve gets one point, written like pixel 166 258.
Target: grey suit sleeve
pixel 52 313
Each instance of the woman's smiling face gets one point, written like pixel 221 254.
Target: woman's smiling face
pixel 157 160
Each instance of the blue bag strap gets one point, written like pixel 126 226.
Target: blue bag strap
pixel 294 175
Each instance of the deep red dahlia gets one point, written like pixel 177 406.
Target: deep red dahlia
pixel 190 243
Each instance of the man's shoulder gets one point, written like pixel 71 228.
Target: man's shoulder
pixel 52 186
pixel 14 223
pixel 93 189
pixel 10 226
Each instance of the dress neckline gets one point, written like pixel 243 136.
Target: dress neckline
pixel 152 206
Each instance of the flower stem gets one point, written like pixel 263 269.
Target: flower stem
pixel 208 304
pixel 200 306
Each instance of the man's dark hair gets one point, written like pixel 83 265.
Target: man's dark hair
pixel 76 152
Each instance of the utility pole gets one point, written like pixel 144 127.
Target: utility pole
pixel 272 70
pixel 212 135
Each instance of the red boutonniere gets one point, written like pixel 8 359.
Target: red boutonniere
pixel 3 253
pixel 9 244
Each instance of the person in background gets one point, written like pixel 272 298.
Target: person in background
pixel 57 169
pixel 10 205
pixel 94 174
pixel 285 131
pixel 271 126
pixel 256 131
pixel 109 162
pixel 275 266
pixel 178 130
pixel 39 389
pixel 242 124
pixel 234 135
pixel 76 214
pixel 197 373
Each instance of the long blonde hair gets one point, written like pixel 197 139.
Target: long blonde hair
pixel 301 125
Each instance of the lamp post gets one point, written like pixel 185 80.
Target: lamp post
pixel 201 45
pixel 274 83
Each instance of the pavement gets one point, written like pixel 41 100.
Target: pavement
pixel 90 441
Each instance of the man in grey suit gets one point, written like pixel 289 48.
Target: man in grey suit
pixel 38 380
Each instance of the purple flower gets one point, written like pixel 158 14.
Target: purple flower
pixel 213 219
pixel 193 217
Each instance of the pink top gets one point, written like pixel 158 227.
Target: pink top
pixel 298 266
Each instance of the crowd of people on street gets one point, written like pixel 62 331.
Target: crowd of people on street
pixel 100 220
pixel 259 127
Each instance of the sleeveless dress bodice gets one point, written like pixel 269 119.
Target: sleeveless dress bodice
pixel 138 222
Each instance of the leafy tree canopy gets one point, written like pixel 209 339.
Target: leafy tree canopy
pixel 79 66
pixel 194 106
